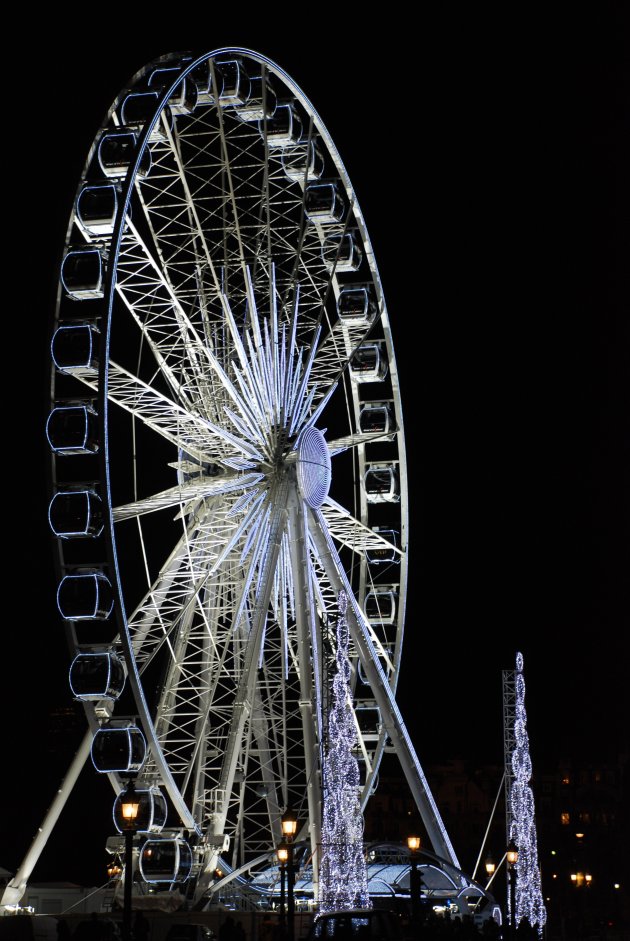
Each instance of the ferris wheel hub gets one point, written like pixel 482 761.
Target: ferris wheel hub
pixel 313 467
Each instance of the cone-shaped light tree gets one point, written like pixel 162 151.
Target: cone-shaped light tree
pixel 343 875
pixel 529 898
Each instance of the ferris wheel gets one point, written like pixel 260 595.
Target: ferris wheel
pixel 228 456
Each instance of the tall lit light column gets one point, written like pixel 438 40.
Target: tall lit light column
pixel 289 829
pixel 283 854
pixel 129 806
pixel 415 883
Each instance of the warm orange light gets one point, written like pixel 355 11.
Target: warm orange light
pixel 565 819
pixel 588 877
pixel 129 807
pixel 289 824
pixel 282 852
pixel 512 853
pixel 490 866
pixel 573 877
pixel 413 842
pixel 579 836
pixel 129 810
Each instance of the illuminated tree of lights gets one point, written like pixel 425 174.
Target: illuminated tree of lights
pixel 529 899
pixel 343 875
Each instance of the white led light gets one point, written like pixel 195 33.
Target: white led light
pixel 343 873
pixel 529 899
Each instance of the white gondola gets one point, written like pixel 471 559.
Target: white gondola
pixel 261 104
pixel 379 555
pixel 119 749
pixel 83 274
pixel 166 861
pixel 381 483
pixel 76 514
pixel 72 429
pixel 232 81
pixel 283 128
pixel 138 108
pixel 152 810
pixel 380 606
pixel 184 98
pixel 74 349
pixel 324 203
pixel 85 597
pixel 369 363
pixel 356 306
pixel 97 675
pixel 376 418
pixel 342 253
pixel 117 150
pixel 303 163
pixel 96 209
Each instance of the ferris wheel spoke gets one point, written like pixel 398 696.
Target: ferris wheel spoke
pixel 150 298
pixel 171 206
pixel 348 442
pixel 308 653
pixel 228 173
pixel 351 532
pixel 155 617
pixel 270 549
pixel 383 693
pixel 183 495
pixel 156 411
pixel 189 575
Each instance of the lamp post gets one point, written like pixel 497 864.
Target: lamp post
pixel 283 854
pixel 129 806
pixel 512 859
pixel 415 882
pixel 289 829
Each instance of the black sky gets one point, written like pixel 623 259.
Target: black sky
pixel 490 160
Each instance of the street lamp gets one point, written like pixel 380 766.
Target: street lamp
pixel 289 829
pixel 283 853
pixel 512 859
pixel 289 824
pixel 129 807
pixel 415 882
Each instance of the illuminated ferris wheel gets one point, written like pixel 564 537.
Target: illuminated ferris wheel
pixel 227 457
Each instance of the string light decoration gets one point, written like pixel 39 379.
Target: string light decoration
pixel 529 898
pixel 343 873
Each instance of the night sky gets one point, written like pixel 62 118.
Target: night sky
pixel 490 160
